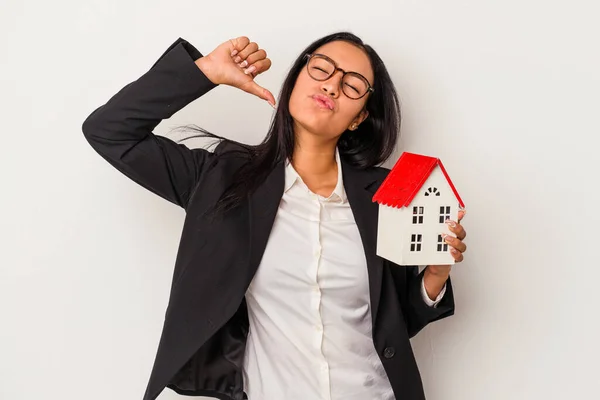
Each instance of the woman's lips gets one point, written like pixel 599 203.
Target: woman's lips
pixel 324 101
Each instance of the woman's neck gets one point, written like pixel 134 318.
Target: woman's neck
pixel 315 162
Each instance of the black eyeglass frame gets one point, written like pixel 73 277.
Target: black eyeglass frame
pixel 370 89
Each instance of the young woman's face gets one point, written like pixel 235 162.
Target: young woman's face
pixel 321 107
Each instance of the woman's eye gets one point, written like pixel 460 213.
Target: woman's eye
pixel 352 87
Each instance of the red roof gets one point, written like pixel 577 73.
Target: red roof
pixel 406 178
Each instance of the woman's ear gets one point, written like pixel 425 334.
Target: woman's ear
pixel 362 116
pixel 359 120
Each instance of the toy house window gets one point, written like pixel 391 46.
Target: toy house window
pixel 415 242
pixel 444 213
pixel 441 245
pixel 432 191
pixel 417 215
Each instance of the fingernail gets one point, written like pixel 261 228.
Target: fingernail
pixel 234 53
pixel 237 60
pixel 453 250
pixel 272 105
pixel 445 237
pixel 250 70
pixel 244 64
pixel 451 223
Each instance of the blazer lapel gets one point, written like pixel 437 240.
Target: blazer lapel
pixel 264 203
pixel 360 187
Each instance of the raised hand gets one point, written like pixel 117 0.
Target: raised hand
pixel 236 63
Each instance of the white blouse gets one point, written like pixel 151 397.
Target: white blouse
pixel 308 305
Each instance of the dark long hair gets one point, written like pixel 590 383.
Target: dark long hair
pixel 372 143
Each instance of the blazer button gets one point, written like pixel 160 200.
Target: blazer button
pixel 389 352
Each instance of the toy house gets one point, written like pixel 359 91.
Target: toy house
pixel 414 201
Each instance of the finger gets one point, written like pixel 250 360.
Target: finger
pixel 258 67
pixel 246 51
pixel 455 243
pixel 461 214
pixel 253 58
pixel 456 229
pixel 253 88
pixel 458 257
pixel 238 44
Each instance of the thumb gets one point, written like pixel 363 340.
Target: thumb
pixel 253 88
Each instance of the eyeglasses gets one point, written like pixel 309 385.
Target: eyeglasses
pixel 354 85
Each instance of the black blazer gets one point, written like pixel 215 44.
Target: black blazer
pixel 202 343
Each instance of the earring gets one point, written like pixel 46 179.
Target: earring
pixel 353 126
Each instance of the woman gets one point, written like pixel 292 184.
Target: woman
pixel 277 291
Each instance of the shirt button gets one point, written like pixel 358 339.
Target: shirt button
pixel 389 352
pixel 318 328
pixel 317 252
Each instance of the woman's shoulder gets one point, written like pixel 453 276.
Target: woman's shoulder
pixel 232 150
pixel 379 172
pixel 383 171
pixel 226 146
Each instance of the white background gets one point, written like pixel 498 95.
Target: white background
pixel 506 93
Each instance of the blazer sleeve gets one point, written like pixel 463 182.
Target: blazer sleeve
pixel 121 130
pixel 417 313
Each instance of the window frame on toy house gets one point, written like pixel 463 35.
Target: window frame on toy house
pixel 418 215
pixel 432 191
pixel 416 240
pixel 441 244
pixel 444 213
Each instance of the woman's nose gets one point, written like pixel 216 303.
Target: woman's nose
pixel 332 85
